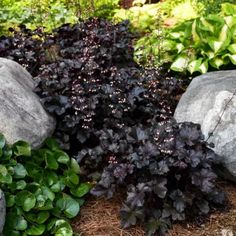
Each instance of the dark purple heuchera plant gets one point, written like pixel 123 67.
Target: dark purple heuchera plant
pixel 116 119
pixel 25 47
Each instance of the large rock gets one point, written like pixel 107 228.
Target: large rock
pixel 22 116
pixel 209 97
pixel 2 211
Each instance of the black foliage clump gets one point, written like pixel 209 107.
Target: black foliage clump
pixel 25 47
pixel 116 119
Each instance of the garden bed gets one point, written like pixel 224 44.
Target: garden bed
pixel 100 217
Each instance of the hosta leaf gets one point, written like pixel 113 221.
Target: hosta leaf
pixel 232 58
pixel 232 48
pixel 228 9
pixel 215 45
pixel 180 63
pixel 194 65
pixel 216 62
pixel 22 148
pixel 203 68
pixel 36 230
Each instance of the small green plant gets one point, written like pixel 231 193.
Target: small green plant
pixel 42 189
pixel 193 45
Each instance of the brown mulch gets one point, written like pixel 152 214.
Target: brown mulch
pixel 100 217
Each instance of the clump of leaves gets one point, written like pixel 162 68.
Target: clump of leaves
pixel 75 87
pixel 116 119
pixel 193 45
pixel 25 47
pixel 165 168
pixel 42 189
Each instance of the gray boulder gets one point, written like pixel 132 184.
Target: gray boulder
pixel 2 211
pixel 209 97
pixel 22 116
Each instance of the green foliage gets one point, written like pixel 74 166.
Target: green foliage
pixel 148 17
pixel 193 45
pixel 42 188
pixel 51 14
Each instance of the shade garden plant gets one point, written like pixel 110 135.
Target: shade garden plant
pixel 116 119
pixel 42 188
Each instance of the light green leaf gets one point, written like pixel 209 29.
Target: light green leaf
pixel 20 185
pixel 63 228
pixel 216 62
pixel 21 223
pixel 180 64
pixel 48 193
pixel 228 9
pixel 232 58
pixel 75 166
pixel 203 68
pixel 232 48
pixel 62 157
pixel 25 199
pixel 68 205
pixel 19 171
pixel 194 65
pixel 215 45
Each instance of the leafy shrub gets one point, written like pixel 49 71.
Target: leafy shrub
pixel 166 170
pixel 193 45
pixel 74 86
pixel 25 47
pixel 116 118
pixel 51 14
pixel 42 188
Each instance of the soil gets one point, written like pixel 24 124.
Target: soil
pixel 100 217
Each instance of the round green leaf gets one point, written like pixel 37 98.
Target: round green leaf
pixel 25 199
pixel 75 166
pixel 63 228
pixel 83 189
pixel 52 144
pixel 62 157
pixel 19 171
pixel 51 162
pixel 21 148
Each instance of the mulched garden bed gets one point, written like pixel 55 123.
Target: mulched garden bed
pixel 100 217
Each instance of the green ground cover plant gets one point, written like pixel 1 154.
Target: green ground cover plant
pixel 42 187
pixel 50 14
